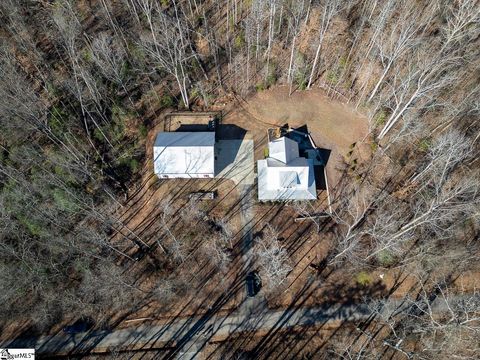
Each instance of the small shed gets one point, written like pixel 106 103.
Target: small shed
pixel 184 155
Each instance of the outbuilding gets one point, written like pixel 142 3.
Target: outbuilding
pixel 184 155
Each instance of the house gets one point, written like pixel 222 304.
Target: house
pixel 284 175
pixel 184 155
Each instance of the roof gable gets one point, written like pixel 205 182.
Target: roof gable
pixel 283 149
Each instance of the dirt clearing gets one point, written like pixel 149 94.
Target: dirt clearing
pixel 333 125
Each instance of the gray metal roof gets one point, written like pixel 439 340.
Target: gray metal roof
pixel 185 139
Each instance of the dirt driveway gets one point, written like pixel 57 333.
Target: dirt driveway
pixel 234 161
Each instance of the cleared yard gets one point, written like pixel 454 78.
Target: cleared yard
pixel 241 139
pixel 333 125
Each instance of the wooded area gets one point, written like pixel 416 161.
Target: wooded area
pixel 81 83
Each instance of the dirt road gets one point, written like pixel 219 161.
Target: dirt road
pixel 186 337
pixel 186 334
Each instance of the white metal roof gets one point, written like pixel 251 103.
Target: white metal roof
pixel 288 179
pixel 285 175
pixel 287 183
pixel 283 149
pixel 184 154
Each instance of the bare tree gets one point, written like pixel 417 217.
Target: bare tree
pixel 447 326
pixel 349 216
pixel 423 78
pixel 218 252
pixel 165 291
pixel 330 9
pixel 109 56
pixel 25 109
pixel 296 10
pixel 272 257
pixel 308 211
pixel 255 24
pixel 377 14
pixel 396 43
pixel 446 152
pixel 441 197
pixel 191 211
pixel 273 6
pixel 463 17
pixel 168 45
pixel 84 87
pixel 177 248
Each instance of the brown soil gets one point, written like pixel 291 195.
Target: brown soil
pixel 333 125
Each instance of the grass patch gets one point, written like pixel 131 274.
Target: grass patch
pixel 271 79
pixel 239 41
pixel 166 101
pixel 424 144
pixel 64 174
pixel 300 71
pixel 343 62
pixel 260 86
pixel 134 165
pixel 380 118
pixel 57 119
pixel 385 258
pixel 131 164
pixel 302 85
pixel 87 55
pixel 62 200
pixel 363 278
pixel 33 227
pixel 332 77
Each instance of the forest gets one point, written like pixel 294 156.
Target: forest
pixel 82 83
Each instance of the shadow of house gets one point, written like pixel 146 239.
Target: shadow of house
pixel 229 138
pixel 194 128
pixel 222 131
pixel 230 132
